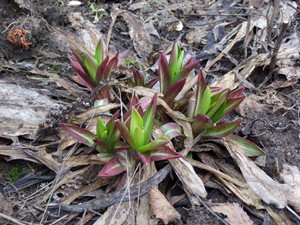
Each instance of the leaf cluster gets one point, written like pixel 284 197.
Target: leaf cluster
pixel 128 140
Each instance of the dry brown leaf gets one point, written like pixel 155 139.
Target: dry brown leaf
pixel 144 211
pixel 289 68
pixel 234 212
pixel 22 110
pixel 251 102
pixel 161 207
pixel 280 84
pixel 85 189
pixel 188 177
pixel 116 214
pixel 264 186
pixel 291 176
pixel 81 160
pixel 279 218
pixel 138 34
pixel 6 207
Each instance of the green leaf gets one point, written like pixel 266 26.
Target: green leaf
pixel 251 149
pixel 230 105
pixel 99 52
pixel 135 121
pixel 148 118
pixel 221 100
pixel 139 137
pixel 171 130
pixel 222 130
pixel 79 133
pixel 177 76
pixel 101 130
pixel 158 142
pixel 91 65
pixel 203 102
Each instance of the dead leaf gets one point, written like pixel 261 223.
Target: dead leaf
pixel 138 5
pixel 22 110
pixel 116 214
pixel 234 212
pixel 280 84
pixel 291 176
pixel 138 34
pixel 196 36
pixel 289 68
pixel 251 102
pixel 279 218
pixel 6 207
pixel 161 207
pixel 270 191
pixel 188 177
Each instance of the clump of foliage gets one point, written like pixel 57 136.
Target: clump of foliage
pixel 91 70
pixel 124 142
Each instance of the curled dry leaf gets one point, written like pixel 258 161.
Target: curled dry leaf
pixel 161 207
pixel 234 212
pixel 141 38
pixel 188 177
pixel 291 176
pixel 270 191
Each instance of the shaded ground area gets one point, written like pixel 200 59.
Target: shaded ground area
pixel 35 41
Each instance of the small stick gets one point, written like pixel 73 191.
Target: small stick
pixel 278 44
pixel 11 219
pixel 276 5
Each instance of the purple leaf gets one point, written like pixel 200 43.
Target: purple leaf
pixel 237 93
pixel 105 93
pixel 144 157
pixel 111 168
pixel 139 79
pixel 201 123
pixel 251 149
pixel 110 66
pixel 173 91
pixel 222 130
pixel 125 133
pixel 187 68
pixel 151 83
pixel 173 58
pixel 122 182
pixel 171 130
pixel 101 69
pixel 164 73
pixel 79 133
pixel 99 142
pixel 164 153
pixel 88 82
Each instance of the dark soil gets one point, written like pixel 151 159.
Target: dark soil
pixel 276 129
